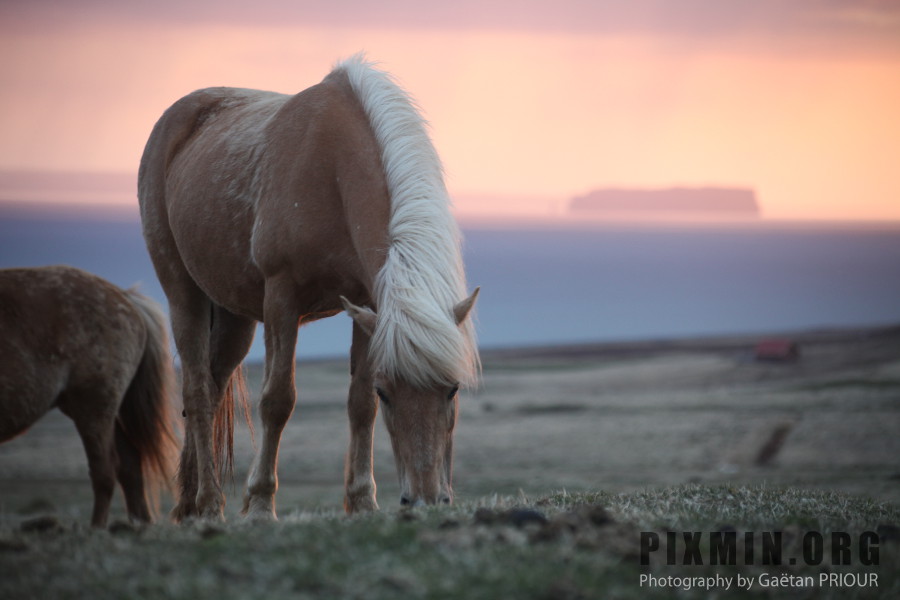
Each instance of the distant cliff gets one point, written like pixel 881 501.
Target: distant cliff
pixel 701 201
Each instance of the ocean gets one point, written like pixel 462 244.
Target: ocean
pixel 548 285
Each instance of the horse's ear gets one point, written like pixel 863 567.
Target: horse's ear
pixel 362 316
pixel 462 310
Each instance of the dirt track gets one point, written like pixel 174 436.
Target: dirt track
pixel 610 417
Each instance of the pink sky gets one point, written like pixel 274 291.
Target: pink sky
pixel 530 102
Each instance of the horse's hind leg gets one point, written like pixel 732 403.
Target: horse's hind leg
pixel 230 341
pixel 129 472
pixel 212 342
pixel 187 479
pixel 96 431
pixel 200 493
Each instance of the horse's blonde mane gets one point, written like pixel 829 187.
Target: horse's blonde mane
pixel 416 337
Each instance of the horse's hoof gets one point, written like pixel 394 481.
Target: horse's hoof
pixel 259 509
pixel 182 512
pixel 212 515
pixel 260 516
pixel 360 504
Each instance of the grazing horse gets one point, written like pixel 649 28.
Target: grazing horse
pixel 73 341
pixel 259 206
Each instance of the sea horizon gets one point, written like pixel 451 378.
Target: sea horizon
pixel 117 210
pixel 553 283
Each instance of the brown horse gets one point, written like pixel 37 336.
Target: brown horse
pixel 258 206
pixel 73 341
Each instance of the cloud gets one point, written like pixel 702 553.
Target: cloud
pixel 691 18
pixel 794 98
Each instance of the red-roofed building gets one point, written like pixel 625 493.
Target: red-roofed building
pixel 777 350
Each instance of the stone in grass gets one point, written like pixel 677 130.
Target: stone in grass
pixel 37 506
pixel 120 526
pixel 888 533
pixel 517 517
pixel 43 524
pixel 578 522
pixel 12 545
pixel 594 514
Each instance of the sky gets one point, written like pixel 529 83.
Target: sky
pixel 530 102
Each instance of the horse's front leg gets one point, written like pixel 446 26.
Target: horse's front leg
pixel 359 479
pixel 277 403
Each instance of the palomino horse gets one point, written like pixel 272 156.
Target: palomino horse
pixel 100 354
pixel 258 206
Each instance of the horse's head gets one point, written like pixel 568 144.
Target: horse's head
pixel 420 423
pixel 420 420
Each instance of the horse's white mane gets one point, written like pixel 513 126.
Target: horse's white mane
pixel 416 336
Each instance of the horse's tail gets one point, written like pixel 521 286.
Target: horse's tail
pixel 223 425
pixel 145 419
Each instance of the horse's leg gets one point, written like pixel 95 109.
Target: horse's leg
pixel 278 397
pixel 201 494
pixel 227 342
pixel 361 408
pixel 187 478
pixel 230 341
pixel 95 426
pixel 129 472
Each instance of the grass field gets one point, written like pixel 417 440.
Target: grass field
pixel 564 458
pixel 558 546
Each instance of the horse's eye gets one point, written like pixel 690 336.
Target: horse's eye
pixel 453 392
pixel 381 395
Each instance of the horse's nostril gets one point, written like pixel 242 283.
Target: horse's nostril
pixel 445 499
pixel 404 501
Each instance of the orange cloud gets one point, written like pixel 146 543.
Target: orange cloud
pixel 515 114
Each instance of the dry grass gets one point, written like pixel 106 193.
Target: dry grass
pixel 557 546
pixel 658 437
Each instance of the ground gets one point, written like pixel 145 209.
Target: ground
pixel 549 430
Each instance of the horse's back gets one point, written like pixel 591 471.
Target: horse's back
pixel 201 124
pixel 64 332
pixel 234 184
pixel 62 312
pixel 235 145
